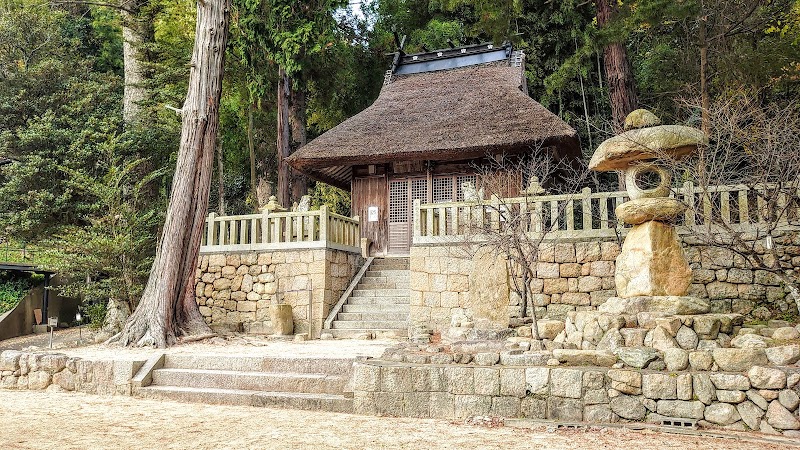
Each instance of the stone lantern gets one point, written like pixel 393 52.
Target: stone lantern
pixel 652 273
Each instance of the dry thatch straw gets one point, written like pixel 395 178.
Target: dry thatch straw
pixel 447 115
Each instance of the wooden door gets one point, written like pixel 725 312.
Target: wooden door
pixel 402 193
pixel 371 192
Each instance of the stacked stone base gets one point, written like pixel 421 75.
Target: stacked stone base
pixel 765 399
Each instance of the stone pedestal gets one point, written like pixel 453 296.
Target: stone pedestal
pixel 652 263
pixel 281 318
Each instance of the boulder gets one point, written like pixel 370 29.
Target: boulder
pixel 652 263
pixel 757 399
pixel 767 378
pixel 667 304
pixel 750 341
pixel 738 359
pixel 730 396
pixel 730 381
pixel 643 144
pixel 676 359
pixel 789 399
pixel 783 355
pixel 703 388
pixel 686 338
pixel 660 339
pixel 678 408
pixel 642 210
pixel 612 340
pixel 706 326
pixel 549 329
pixel 599 358
pixel 780 417
pixel 637 357
pixel 701 360
pixel 628 407
pixel 751 414
pixel 785 334
pixel 659 386
pixel 721 413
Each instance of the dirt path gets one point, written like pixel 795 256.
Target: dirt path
pixel 42 420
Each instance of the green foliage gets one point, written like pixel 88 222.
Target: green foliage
pixel 110 257
pixel 337 200
pixel 96 312
pixel 12 290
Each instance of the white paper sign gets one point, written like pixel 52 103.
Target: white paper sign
pixel 372 214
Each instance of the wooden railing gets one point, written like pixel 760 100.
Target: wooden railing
pixel 588 215
pixel 281 231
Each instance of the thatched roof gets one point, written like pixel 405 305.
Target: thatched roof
pixel 444 115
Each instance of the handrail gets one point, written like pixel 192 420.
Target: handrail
pixel 343 299
pixel 280 231
pixel 587 214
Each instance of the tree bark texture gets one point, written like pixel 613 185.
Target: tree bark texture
pixel 135 32
pixel 251 147
pixel 297 121
pixel 220 180
pixel 168 307
pixel 284 171
pixel 619 76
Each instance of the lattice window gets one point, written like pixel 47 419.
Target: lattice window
pixel 443 189
pixel 398 201
pixel 419 190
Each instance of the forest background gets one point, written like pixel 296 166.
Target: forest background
pixel 89 91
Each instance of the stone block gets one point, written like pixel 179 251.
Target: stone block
pixel 533 408
pixel 739 359
pixel 505 407
pixel 472 405
pixel 659 386
pixel 487 381
pixel 512 382
pixel 730 381
pixel 366 377
pixel 459 380
pixel 389 403
pixel 767 378
pixel 682 409
pixel 537 380
pixel 721 413
pixel 628 407
pixel 442 405
pixel 730 396
pixel 600 413
pixel 565 409
pixel 570 270
pixel 566 383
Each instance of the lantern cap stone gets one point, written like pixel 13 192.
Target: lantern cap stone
pixel 641 118
pixel 646 144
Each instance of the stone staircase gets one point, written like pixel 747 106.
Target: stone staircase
pixel 379 304
pixel 297 383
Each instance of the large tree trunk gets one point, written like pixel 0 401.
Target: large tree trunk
pixel 619 76
pixel 297 120
pixel 168 308
pixel 220 180
pixel 252 149
pixel 284 172
pixel 136 31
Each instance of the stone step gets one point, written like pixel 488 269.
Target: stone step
pixel 341 333
pixel 399 273
pixel 380 293
pixel 384 279
pixel 238 397
pixel 369 324
pixel 370 308
pixel 382 285
pixel 347 316
pixel 331 366
pixel 378 301
pixel 392 265
pixel 254 381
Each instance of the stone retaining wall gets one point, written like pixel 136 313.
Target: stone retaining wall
pixel 764 399
pixel 53 371
pixel 579 276
pixel 240 287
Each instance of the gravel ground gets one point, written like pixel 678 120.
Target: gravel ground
pixel 66 342
pixel 44 420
